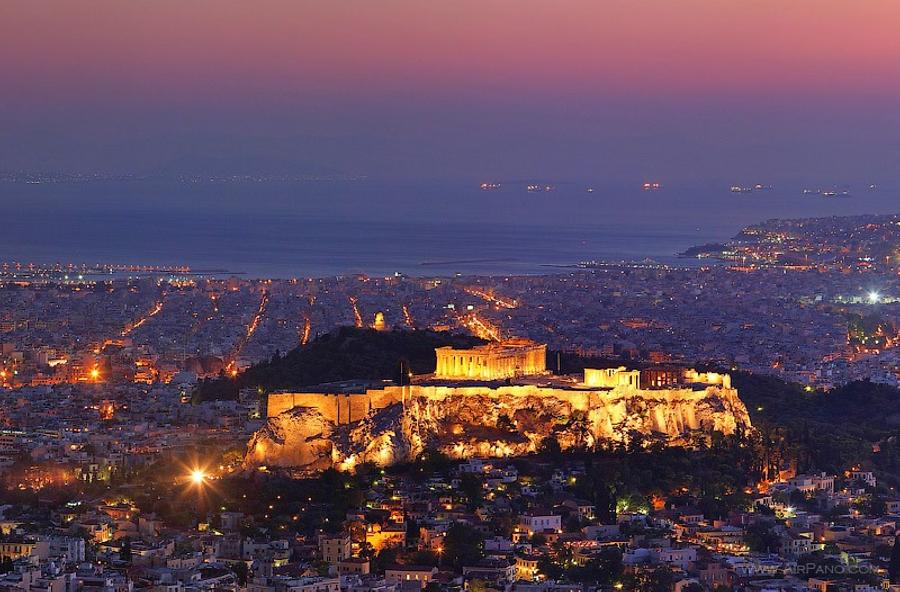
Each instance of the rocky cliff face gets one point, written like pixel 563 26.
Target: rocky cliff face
pixel 494 423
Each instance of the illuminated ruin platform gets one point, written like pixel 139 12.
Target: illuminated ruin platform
pixel 495 361
pixel 515 369
pixel 342 424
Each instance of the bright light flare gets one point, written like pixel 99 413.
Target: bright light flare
pixel 198 477
pixel 874 297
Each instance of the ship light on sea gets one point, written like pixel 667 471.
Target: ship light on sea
pixel 651 186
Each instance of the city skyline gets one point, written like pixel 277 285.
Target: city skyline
pixel 460 296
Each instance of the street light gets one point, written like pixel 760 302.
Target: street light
pixel 874 297
pixel 198 476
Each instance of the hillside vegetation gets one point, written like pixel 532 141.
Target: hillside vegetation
pixel 858 423
pixel 344 354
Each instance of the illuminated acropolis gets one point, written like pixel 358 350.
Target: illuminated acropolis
pixel 464 398
pixel 495 361
pixel 514 368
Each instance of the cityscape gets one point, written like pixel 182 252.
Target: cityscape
pixel 105 366
pixel 449 297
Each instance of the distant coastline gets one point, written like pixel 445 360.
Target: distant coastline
pixel 301 230
pixel 707 250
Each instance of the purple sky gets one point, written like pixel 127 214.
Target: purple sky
pixel 617 90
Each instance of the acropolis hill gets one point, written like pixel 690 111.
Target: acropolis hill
pixel 490 400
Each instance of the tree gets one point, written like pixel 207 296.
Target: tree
pixel 462 545
pixel 505 424
pixel 894 565
pixel 125 550
pixel 6 565
pixel 412 532
pixel 240 571
pixel 656 580
pixel 573 523
pixel 604 570
pixel 472 488
pixel 367 551
pixel 550 447
pixel 579 427
pixel 429 463
pixel 549 568
pixel 424 557
pixel 562 553
pixel 761 537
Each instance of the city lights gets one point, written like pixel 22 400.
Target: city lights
pixel 480 299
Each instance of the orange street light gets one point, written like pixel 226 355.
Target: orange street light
pixel 198 476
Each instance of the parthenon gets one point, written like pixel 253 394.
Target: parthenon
pixel 496 361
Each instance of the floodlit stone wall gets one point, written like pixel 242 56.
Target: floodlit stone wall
pixel 669 411
pixel 465 421
pixel 462 417
pixel 339 408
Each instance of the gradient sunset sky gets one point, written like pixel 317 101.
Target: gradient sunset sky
pixel 569 89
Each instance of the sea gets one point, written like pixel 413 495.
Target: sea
pixel 323 227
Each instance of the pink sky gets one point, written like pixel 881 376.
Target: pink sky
pixel 178 49
pixel 455 87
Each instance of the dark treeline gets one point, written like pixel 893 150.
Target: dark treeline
pixel 854 424
pixel 344 354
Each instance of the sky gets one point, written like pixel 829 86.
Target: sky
pixel 687 90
